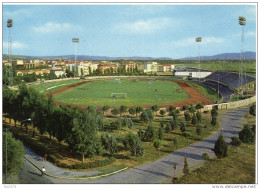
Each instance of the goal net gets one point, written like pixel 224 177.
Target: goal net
pixel 118 95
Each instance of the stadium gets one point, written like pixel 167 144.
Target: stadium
pixel 146 91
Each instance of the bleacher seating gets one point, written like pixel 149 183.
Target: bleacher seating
pixel 224 91
pixel 229 79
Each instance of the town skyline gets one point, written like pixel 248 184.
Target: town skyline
pixel 128 30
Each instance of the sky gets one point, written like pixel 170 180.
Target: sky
pixel 124 30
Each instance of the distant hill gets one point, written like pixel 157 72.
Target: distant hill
pixel 224 56
pixel 248 55
pixel 82 57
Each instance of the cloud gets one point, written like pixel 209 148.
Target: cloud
pixel 51 27
pixel 15 45
pixel 205 40
pixel 17 13
pixel 143 26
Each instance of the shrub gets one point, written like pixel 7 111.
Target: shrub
pixel 185 107
pixel 246 135
pixel 205 156
pixel 172 108
pixel 235 141
pixel 221 147
pixel 162 112
pixel 187 134
pixel 187 116
pixel 98 163
pixel 53 159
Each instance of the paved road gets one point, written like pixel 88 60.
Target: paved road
pixel 161 171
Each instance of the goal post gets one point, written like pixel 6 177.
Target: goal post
pixel 118 95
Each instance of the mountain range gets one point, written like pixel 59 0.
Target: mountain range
pixel 223 56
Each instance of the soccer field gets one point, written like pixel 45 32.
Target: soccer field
pixel 139 93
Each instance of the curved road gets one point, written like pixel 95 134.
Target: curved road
pixel 161 171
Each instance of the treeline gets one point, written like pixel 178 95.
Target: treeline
pixel 77 127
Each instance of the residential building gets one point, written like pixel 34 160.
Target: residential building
pixel 150 67
pixel 165 67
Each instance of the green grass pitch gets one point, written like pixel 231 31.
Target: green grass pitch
pixel 139 93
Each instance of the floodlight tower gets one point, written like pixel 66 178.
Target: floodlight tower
pixel 75 41
pixel 10 70
pixel 198 40
pixel 242 72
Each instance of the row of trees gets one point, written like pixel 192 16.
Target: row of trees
pixel 72 125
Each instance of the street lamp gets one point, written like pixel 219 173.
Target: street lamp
pixel 198 40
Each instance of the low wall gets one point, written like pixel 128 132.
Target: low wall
pixel 231 105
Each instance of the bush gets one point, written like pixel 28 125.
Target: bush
pixel 162 112
pixel 235 141
pixel 205 156
pixel 53 159
pixel 187 134
pixel 185 107
pixel 246 135
pixel 98 163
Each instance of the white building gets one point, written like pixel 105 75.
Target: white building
pixel 150 67
pixel 57 72
pixel 185 71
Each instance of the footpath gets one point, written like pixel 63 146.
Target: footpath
pixel 160 171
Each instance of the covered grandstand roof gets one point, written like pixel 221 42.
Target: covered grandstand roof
pixel 230 79
pixel 189 69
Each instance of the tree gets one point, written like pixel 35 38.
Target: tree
pixel 187 116
pixel 132 111
pixel 199 129
pixel 252 110
pixel 105 140
pixel 160 133
pixel 145 117
pixel 115 111
pixel 123 109
pixel 139 109
pixel 198 115
pixel 192 109
pixel 112 145
pixel 194 120
pixel 183 127
pixel 185 107
pixel 155 108
pixel 161 124
pixel 199 106
pixel 172 108
pixel 246 135
pixel 168 127
pixel 15 152
pixel 150 133
pixel 136 147
pixel 186 170
pixel 105 108
pixel 162 112
pixel 157 143
pixel 221 147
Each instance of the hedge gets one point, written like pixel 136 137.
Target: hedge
pixel 98 163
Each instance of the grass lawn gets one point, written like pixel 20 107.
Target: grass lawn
pixel 237 168
pixel 52 86
pixel 139 93
pixel 232 67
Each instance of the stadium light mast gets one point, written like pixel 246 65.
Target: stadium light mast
pixel 198 40
pixel 75 41
pixel 10 70
pixel 242 23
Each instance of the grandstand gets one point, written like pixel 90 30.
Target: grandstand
pixel 228 83
pixel 231 80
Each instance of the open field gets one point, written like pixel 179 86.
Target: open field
pixel 139 93
pixel 250 68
